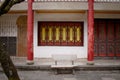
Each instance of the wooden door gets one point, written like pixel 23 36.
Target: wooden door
pixel 107 39
pixel 100 38
pixel 22 36
pixel 117 38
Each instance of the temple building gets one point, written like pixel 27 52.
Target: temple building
pixel 39 28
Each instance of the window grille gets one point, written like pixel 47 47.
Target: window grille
pixel 60 33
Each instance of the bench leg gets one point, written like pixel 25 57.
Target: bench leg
pixel 56 71
pixel 73 71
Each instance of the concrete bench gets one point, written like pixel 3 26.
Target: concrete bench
pixel 64 61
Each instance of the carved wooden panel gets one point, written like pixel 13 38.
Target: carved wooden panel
pixel 107 37
pixel 50 35
pixel 42 34
pixel 96 31
pixel 63 35
pixel 57 35
pixel 71 35
pixel 78 35
pixel 110 38
pixel 102 38
pixel 96 49
pixel 117 49
pixel 111 49
pixel 110 31
pixel 117 31
pixel 117 39
pixel 102 49
pixel 96 38
pixel 102 31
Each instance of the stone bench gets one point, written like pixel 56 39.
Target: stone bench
pixel 64 61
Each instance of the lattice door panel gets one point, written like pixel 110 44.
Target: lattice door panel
pixel 107 38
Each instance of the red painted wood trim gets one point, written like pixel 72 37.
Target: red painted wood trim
pixel 90 30
pixel 30 31
pixel 118 55
pixel 102 55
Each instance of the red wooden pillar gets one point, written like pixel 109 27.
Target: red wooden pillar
pixel 90 31
pixel 30 33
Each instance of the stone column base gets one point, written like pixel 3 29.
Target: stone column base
pixel 30 62
pixel 90 63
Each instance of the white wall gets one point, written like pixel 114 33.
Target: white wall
pixel 60 5
pixel 47 51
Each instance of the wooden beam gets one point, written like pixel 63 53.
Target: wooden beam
pixel 60 11
pixel 107 12
pixel 17 12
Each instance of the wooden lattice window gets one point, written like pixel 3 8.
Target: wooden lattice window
pixel 60 33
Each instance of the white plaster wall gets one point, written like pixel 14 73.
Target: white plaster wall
pixel 60 6
pixel 20 6
pixel 47 51
pixel 75 5
pixel 71 5
pixel 114 6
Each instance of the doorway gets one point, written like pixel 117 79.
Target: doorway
pixel 107 38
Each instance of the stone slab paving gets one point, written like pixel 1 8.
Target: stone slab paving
pixel 79 75
pixel 50 61
pixel 70 79
pixel 105 78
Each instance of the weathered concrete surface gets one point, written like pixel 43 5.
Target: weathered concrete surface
pixel 81 64
pixel 79 75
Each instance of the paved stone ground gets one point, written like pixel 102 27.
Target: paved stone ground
pixel 21 61
pixel 79 75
